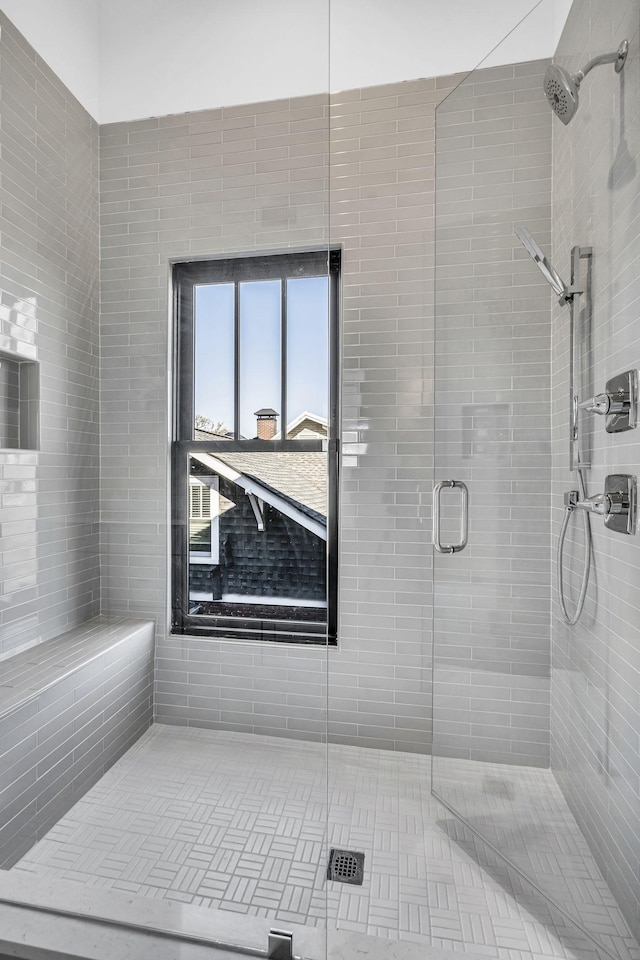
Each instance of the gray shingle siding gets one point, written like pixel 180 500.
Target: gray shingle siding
pixel 283 561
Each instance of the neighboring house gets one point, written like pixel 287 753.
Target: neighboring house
pixel 307 426
pixel 258 524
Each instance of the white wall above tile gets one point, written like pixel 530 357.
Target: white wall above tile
pixel 126 61
pixel 384 41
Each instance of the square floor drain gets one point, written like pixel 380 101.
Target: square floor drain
pixel 346 866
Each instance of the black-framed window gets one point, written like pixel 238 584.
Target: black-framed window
pixel 255 447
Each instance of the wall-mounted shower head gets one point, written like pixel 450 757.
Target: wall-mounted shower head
pixel 561 88
pixel 561 91
pixel 554 280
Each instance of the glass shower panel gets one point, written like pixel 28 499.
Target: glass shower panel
pixel 189 801
pixel 492 430
pixel 492 362
pixel 379 678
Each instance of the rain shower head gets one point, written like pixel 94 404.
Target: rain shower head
pixel 554 280
pixel 561 88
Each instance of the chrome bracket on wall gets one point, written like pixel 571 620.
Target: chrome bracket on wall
pixel 464 517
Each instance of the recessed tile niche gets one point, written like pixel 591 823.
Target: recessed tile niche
pixel 19 403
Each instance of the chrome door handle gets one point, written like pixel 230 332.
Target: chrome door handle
pixel 464 517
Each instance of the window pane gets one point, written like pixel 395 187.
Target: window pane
pixel 200 537
pixel 260 358
pixel 307 353
pixel 269 520
pixel 204 535
pixel 214 359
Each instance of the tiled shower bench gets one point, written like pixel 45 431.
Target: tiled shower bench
pixel 69 708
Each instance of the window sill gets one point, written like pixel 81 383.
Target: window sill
pixel 256 641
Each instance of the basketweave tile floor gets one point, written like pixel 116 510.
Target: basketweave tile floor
pixel 237 822
pixel 522 812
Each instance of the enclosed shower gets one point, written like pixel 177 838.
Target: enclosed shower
pixel 319 353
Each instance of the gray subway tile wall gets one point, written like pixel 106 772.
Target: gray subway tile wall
pixel 261 177
pixel 49 269
pixel 492 426
pixel 381 194
pixel 263 173
pixel 257 177
pixel 595 699
pixel 209 183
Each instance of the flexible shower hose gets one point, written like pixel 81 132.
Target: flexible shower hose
pixel 572 620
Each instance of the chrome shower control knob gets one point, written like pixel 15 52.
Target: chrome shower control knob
pixel 600 404
pixel 599 504
pixel 617 504
pixel 619 403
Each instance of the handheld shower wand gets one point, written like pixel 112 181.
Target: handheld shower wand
pixel 552 277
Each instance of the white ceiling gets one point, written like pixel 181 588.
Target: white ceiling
pixel 127 59
pixel 66 33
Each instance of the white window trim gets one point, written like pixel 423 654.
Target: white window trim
pixel 214 556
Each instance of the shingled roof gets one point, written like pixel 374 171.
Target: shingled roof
pixel 296 490
pixel 301 477
pixel 298 479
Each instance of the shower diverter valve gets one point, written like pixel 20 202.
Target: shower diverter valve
pixel 617 505
pixel 619 404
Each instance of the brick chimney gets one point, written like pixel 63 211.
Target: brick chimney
pixel 267 423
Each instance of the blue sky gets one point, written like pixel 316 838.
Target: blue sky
pixel 260 335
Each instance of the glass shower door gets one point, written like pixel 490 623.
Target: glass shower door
pixel 492 406
pixel 492 438
pixel 492 494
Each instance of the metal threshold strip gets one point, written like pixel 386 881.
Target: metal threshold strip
pixel 279 947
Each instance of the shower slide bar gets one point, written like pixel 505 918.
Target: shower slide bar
pixel 574 291
pixel 568 296
pixel 279 946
